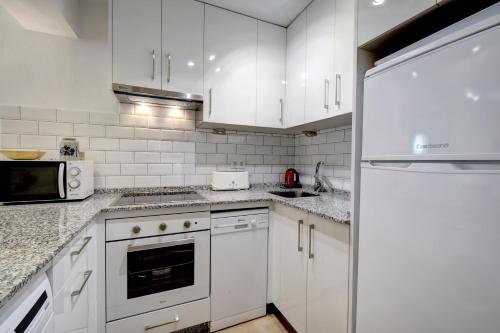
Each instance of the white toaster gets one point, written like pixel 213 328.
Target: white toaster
pixel 230 180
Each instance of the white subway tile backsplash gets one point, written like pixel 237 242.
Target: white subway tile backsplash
pixel 103 118
pixel 191 180
pixel 119 132
pixel 272 140
pixel 177 180
pixel 203 147
pixel 238 139
pixel 133 120
pixel 173 135
pixel 10 141
pixel 147 181
pixel 96 156
pixel 147 157
pixel 161 146
pixel 51 128
pixel 226 148
pixel 133 145
pixel 172 158
pixel 38 142
pixel 134 169
pixel 160 169
pixel 255 140
pixel 68 116
pixel 89 130
pixel 216 158
pixel 148 133
pixel 189 157
pixel 245 149
pixel 254 159
pixel 104 144
pixel 107 169
pixel 119 157
pixel 119 181
pixel 185 147
pixel 19 126
pixel 10 112
pixel 216 138
pixel 36 113
pixel 264 150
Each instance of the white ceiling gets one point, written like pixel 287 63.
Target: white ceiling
pixel 281 12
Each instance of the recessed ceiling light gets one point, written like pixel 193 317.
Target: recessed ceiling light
pixel 378 2
pixel 476 49
pixel 190 64
pixel 211 57
pixel 217 69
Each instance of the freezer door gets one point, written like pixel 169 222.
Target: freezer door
pixel 429 247
pixel 443 104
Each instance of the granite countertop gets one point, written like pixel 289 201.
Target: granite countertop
pixel 32 235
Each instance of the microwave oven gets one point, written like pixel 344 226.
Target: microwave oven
pixel 38 181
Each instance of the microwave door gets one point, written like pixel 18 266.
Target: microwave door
pixel 23 181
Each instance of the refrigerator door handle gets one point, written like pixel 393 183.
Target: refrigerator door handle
pixel 436 167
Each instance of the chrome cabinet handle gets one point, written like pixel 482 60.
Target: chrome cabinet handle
pixel 169 60
pixel 147 328
pixel 154 58
pixel 281 110
pixel 86 277
pixel 86 240
pixel 327 94
pixel 338 89
pixel 210 102
pixel 299 243
pixel 311 229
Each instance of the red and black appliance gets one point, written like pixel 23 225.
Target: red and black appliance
pixel 292 179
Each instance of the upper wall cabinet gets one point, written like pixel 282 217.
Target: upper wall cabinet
pixel 296 71
pixel 271 75
pixel 158 44
pixel 230 67
pixel 182 36
pixel 137 43
pixel 376 17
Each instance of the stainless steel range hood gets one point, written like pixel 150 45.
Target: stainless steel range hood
pixel 156 97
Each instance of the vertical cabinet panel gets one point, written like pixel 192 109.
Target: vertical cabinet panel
pixel 327 277
pixel 137 43
pixel 342 93
pixel 271 72
pixel 182 44
pixel 296 71
pixel 319 59
pixel 291 265
pixel 230 67
pixel 376 17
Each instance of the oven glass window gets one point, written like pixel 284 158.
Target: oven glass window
pixel 154 270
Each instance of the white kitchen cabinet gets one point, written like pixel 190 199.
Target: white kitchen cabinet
pixel 271 75
pixel 230 67
pixel 376 17
pixel 137 42
pixel 327 276
pixel 182 46
pixel 291 265
pixel 296 71
pixel 342 92
pixel 310 270
pixel 320 56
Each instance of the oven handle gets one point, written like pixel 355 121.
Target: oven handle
pixel 61 181
pixel 137 248
pixel 147 328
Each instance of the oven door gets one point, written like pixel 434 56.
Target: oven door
pixel 23 181
pixel 147 274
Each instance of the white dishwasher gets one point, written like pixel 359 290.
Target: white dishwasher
pixel 239 266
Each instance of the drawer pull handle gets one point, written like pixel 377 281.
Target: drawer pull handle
pixel 299 243
pixel 86 277
pixel 147 328
pixel 311 229
pixel 86 240
pixel 136 229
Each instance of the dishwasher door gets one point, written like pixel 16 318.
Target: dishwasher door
pixel 239 267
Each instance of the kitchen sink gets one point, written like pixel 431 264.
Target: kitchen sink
pixel 293 194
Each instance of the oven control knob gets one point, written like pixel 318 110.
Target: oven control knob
pixel 136 229
pixel 74 171
pixel 74 184
pixel 187 224
pixel 162 227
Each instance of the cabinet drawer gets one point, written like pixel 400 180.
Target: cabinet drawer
pixel 136 227
pixel 71 305
pixel 165 320
pixel 71 261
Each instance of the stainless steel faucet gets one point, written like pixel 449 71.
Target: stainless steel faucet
pixel 321 183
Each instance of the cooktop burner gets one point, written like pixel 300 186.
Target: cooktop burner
pixel 152 198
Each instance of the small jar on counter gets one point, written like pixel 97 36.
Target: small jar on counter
pixel 69 149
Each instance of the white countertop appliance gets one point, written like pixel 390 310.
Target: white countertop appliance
pixel 430 186
pixel 230 180
pixel 31 311
pixel 238 266
pixel 38 181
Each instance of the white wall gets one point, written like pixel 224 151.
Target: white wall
pixel 56 72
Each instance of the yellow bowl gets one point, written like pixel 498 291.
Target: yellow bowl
pixel 22 154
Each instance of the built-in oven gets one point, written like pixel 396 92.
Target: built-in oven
pixel 156 262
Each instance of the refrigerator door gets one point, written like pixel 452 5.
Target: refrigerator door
pixel 429 247
pixel 440 105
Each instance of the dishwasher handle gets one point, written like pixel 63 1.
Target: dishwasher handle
pixel 240 225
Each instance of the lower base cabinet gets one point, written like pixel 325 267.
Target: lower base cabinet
pixel 309 276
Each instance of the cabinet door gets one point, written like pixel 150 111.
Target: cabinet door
pixel 319 59
pixel 291 265
pixel 296 72
pixel 327 277
pixel 271 72
pixel 230 67
pixel 137 43
pixel 342 93
pixel 182 44
pixel 375 17
pixel 92 282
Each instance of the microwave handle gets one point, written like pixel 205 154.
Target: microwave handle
pixel 61 181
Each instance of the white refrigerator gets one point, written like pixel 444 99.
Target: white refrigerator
pixel 429 220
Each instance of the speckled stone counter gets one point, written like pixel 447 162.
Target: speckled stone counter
pixel 32 235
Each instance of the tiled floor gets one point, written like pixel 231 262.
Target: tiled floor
pixel 267 324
